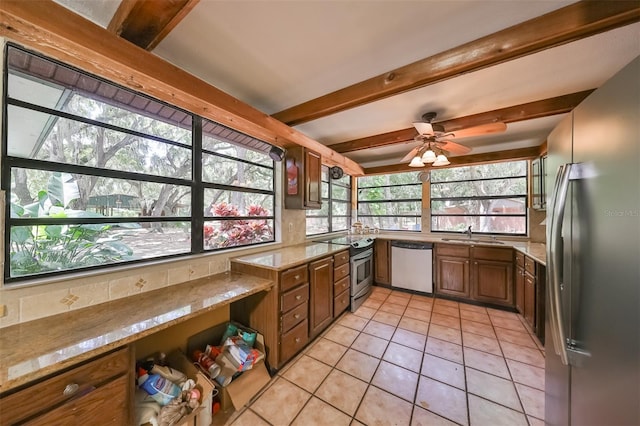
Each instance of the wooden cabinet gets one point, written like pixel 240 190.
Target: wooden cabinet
pixel 452 270
pixel 530 279
pixel 303 179
pixel 320 295
pixel 341 282
pixel 99 389
pixel 519 281
pixel 382 261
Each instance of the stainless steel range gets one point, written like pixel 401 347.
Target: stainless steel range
pixel 361 260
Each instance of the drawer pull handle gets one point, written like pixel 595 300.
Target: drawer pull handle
pixel 297 340
pixel 70 389
pixel 298 297
pixel 296 316
pixel 297 277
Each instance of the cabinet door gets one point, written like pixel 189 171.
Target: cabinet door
pixel 530 300
pixel 320 295
pixel 520 289
pixel 382 262
pixel 492 282
pixel 452 276
pixel 313 180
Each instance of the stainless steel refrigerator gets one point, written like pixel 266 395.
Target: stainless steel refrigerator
pixel 593 259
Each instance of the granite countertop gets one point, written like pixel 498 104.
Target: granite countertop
pixel 34 349
pixel 289 257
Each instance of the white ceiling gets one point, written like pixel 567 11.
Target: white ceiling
pixel 276 54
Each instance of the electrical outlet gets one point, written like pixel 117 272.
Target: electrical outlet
pixel 290 226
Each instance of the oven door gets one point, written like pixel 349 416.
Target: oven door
pixel 361 272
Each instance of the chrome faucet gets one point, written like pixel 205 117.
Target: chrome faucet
pixel 468 232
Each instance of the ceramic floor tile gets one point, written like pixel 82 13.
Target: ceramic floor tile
pixel 396 380
pixel 500 313
pixel 526 374
pixel 486 362
pixel 392 308
pixel 376 295
pixel 281 402
pixel 418 314
pixel 370 345
pixel 493 388
pixel 381 408
pixel 445 302
pixel 382 290
pixel 353 321
pixel 442 370
pixel 358 365
pixel 365 312
pixel 444 400
pixel 326 351
pixel 399 299
pixel 378 329
pixel 414 325
pixel 478 328
pixel 444 349
pixel 446 310
pixel 511 336
pixel 509 323
pixel 403 356
pixel 307 373
pixel 445 333
pixel 249 418
pixel 422 417
pixel 342 335
pixel 409 338
pixel 475 316
pixel 333 391
pixel 387 318
pixel 532 400
pixel 483 413
pixel 445 320
pixel 535 422
pixel 481 343
pixel 357 423
pixel 318 412
pixel 472 308
pixel 523 354
pixel 421 305
pixel 372 303
pixel 422 297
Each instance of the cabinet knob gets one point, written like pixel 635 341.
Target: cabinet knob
pixel 466 261
pixel 296 316
pixel 297 340
pixel 475 263
pixel 298 297
pixel 297 277
pixel 70 389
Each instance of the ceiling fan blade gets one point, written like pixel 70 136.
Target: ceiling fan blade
pixel 454 148
pixel 423 128
pixel 411 154
pixel 482 129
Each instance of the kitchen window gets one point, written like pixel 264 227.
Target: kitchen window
pixel 335 214
pixel 98 175
pixel 390 202
pixel 491 198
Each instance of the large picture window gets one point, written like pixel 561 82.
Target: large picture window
pixel 97 175
pixel 390 202
pixel 491 198
pixel 335 214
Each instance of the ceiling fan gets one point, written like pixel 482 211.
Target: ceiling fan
pixel 435 143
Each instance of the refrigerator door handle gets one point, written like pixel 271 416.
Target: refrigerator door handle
pixel 555 259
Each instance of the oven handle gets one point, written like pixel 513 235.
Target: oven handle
pixel 362 255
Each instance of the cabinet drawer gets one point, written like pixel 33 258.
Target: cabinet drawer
pixel 341 285
pixel 293 277
pixel 340 303
pixel 295 297
pixel 341 258
pixel 490 253
pixel 41 396
pixel 340 272
pixel 294 340
pixel 294 316
pixel 452 250
pixel 519 259
pixel 530 266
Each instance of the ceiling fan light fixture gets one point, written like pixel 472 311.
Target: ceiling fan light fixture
pixel 442 160
pixel 416 162
pixel 423 128
pixel 429 156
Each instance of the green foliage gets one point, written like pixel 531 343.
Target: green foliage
pixel 45 248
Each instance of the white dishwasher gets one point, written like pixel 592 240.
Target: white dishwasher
pixel 412 265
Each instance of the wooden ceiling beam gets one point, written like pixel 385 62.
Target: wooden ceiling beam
pixel 537 109
pixel 570 23
pixel 55 31
pixel 462 160
pixel 145 23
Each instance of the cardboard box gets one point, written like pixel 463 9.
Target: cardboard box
pixel 201 416
pixel 244 387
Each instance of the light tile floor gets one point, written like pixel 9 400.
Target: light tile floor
pixel 405 359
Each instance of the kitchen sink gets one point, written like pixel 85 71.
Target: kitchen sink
pixel 473 240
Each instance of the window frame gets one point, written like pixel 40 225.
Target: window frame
pixel 196 184
pixel 330 200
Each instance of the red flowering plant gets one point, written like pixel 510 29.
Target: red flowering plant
pixel 237 232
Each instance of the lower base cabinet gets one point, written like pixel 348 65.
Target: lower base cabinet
pixel 321 295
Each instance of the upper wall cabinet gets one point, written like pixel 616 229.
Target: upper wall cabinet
pixel 302 183
pixel 538 183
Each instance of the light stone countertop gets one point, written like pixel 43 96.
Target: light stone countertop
pixel 34 349
pixel 289 257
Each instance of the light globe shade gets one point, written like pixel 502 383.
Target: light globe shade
pixel 428 156
pixel 441 161
pixel 416 162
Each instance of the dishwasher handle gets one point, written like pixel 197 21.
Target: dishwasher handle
pixel 412 245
